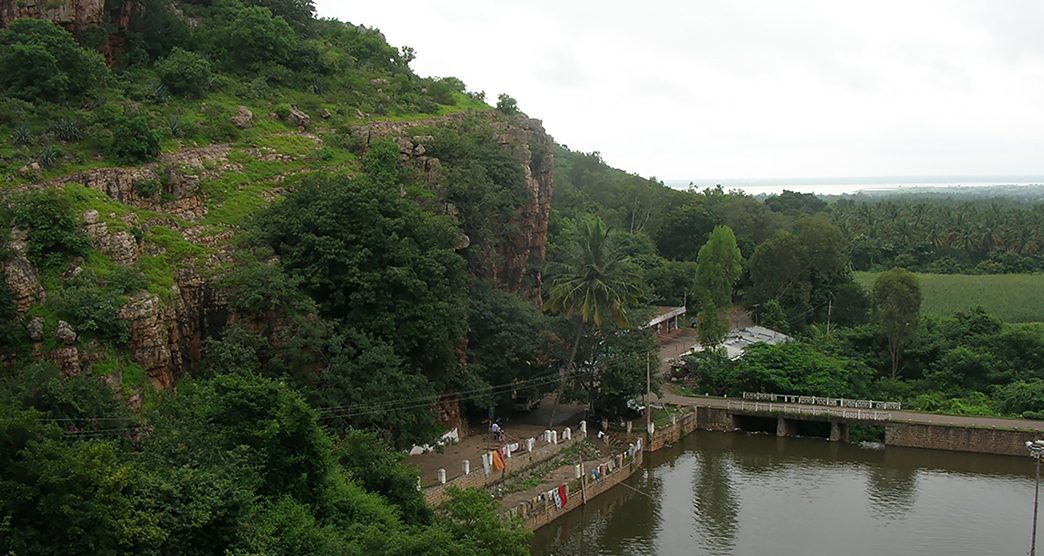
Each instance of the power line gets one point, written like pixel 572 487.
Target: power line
pixel 356 410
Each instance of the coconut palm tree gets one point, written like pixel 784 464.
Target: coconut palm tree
pixel 594 283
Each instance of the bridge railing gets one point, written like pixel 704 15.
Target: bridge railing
pixel 819 400
pixel 844 413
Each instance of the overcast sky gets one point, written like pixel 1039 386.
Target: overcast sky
pixel 699 89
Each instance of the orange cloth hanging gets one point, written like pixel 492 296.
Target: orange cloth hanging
pixel 498 462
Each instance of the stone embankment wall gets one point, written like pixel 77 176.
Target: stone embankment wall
pixel 674 432
pixel 960 439
pixel 518 462
pixel 536 516
pixel 715 419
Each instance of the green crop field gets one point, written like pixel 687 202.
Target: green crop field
pixel 1009 297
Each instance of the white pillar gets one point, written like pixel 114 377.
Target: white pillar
pixel 583 428
pixel 547 435
pixel 652 427
pixel 442 476
pixel 674 419
pixel 507 451
pixel 554 437
pixel 578 471
pixel 629 426
pixel 467 467
pixel 530 442
pixel 567 434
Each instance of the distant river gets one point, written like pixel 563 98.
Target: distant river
pixel 734 494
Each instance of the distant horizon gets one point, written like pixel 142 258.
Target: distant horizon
pixel 853 184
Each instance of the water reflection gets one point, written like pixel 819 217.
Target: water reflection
pixel 722 494
pixel 714 503
pixel 891 491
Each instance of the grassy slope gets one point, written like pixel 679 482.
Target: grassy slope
pixel 1009 297
pixel 231 198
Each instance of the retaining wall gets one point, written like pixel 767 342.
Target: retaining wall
pixel 672 433
pixel 715 419
pixel 960 439
pixel 519 461
pixel 537 515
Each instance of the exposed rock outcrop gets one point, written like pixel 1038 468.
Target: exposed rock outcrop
pixel 151 335
pixel 64 333
pixel 535 148
pixel 74 15
pixel 244 118
pixel 78 16
pixel 67 356
pixel 180 174
pixel 35 329
pixel 167 335
pixel 24 283
pixel 120 246
pixel 525 138
pixel 299 118
pixel 21 277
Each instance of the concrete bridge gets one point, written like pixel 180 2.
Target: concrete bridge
pixel 993 435
pixel 787 417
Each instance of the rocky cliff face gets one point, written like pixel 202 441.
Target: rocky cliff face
pixel 521 254
pixel 166 333
pixel 77 16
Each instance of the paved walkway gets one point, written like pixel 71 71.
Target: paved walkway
pixel 914 417
pixel 469 448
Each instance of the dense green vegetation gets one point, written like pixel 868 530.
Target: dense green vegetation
pixel 354 297
pixel 1009 297
pixel 285 437
pixel 946 236
pixel 969 363
pixel 855 334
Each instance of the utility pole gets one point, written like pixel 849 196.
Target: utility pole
pixel 648 393
pixel 830 309
pixel 1036 449
pixel 583 479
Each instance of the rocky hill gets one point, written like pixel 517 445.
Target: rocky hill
pixel 161 227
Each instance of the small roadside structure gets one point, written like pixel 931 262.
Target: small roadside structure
pixel 666 319
pixel 737 341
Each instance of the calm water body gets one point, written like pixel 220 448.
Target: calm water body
pixel 724 494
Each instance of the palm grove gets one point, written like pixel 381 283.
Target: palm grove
pixel 361 312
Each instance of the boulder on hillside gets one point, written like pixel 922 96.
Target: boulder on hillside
pixel 35 328
pixel 299 118
pixel 243 119
pixel 65 333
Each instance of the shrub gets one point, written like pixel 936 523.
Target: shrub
pixel 507 104
pixel 158 93
pixel 93 310
pixel 65 129
pixel 174 127
pixel 184 72
pixel 22 135
pixel 39 60
pixel 53 231
pixel 146 189
pixel 282 110
pixel 49 156
pixel 247 37
pixel 134 141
